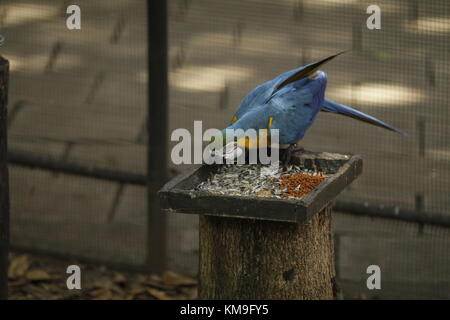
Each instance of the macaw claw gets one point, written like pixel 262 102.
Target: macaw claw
pixel 287 156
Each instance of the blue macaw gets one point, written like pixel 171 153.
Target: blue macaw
pixel 290 103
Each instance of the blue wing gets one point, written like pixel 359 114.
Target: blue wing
pixel 262 93
pixel 295 107
pixel 258 96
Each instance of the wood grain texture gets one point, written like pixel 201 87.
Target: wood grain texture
pixel 4 186
pixel 258 259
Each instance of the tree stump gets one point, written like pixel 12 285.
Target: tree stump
pixel 260 259
pixel 4 189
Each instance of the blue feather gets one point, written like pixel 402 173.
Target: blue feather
pixel 334 107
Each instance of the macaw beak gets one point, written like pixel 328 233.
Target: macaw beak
pixel 220 147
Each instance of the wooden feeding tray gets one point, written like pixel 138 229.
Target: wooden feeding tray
pixel 179 195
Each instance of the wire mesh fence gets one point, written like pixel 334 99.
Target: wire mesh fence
pixel 78 101
pixel 80 96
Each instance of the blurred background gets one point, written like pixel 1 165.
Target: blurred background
pixel 78 99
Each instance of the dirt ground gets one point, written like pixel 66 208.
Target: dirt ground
pixel 40 277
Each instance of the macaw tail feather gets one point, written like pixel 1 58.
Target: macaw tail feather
pixel 331 106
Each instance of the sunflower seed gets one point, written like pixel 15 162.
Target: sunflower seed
pixel 251 180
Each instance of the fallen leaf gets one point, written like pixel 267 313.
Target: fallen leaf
pixel 101 294
pixel 190 293
pixel 37 292
pixel 155 277
pixel 171 278
pixel 18 282
pixel 119 278
pixel 37 275
pixel 156 282
pixel 103 283
pixel 18 266
pixel 158 294
pixel 138 289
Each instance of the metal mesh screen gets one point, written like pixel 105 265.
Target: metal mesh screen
pixel 400 73
pixel 78 96
pixel 81 96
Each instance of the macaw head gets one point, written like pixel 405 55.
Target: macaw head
pixel 241 135
pixel 223 146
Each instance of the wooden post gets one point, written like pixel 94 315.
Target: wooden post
pixel 261 259
pixel 4 189
pixel 157 131
pixel 265 248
